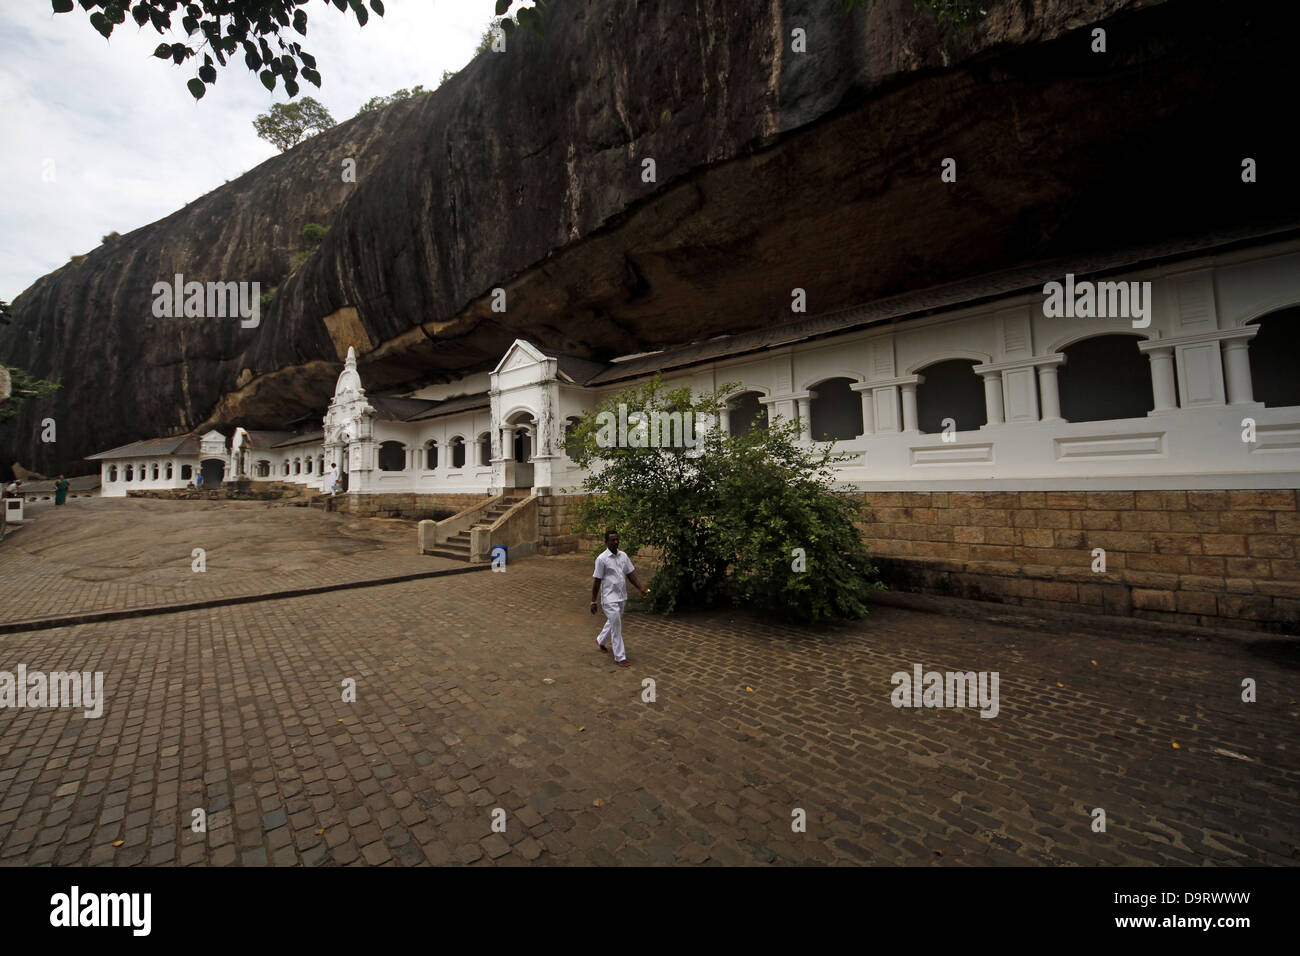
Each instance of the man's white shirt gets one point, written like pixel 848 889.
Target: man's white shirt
pixel 612 571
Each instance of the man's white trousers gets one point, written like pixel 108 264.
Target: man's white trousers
pixel 613 629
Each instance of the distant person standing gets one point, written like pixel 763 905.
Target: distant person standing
pixel 609 583
pixel 61 490
pixel 198 482
pixel 332 485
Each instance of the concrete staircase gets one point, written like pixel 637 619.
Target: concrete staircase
pixel 457 546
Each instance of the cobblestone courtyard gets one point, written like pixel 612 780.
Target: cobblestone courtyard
pixel 485 690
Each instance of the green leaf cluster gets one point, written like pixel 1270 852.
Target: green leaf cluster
pixel 314 232
pixel 727 515
pixel 21 385
pixel 379 102
pixel 221 29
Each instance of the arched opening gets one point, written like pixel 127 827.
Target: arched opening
pixel 1105 378
pixel 392 456
pixel 213 470
pixel 458 452
pixel 1274 357
pixel 169 471
pixel 153 471
pixel 112 472
pixel 129 473
pixel 431 455
pixel 747 413
pixel 485 449
pixel 836 411
pixel 951 390
pixel 285 469
pixel 262 469
pixel 306 464
pixel 297 466
pixel 187 472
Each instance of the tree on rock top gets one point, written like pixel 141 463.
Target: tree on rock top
pixel 287 124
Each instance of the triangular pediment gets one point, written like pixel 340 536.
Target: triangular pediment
pixel 520 355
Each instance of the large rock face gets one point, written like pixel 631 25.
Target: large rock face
pixel 773 170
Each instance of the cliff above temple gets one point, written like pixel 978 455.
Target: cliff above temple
pixel 773 170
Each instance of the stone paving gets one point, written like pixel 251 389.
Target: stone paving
pixel 485 692
pixel 100 554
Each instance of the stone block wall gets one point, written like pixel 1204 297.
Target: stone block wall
pixel 1213 558
pixel 1209 558
pixel 413 506
pixel 556 517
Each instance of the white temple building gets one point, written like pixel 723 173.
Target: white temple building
pixel 1005 432
pixel 927 395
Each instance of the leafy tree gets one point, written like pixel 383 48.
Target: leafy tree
pixel 287 123
pixel 379 102
pixel 220 29
pixel 314 232
pixel 727 515
pixel 490 32
pixel 20 385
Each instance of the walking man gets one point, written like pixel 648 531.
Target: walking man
pixel 609 583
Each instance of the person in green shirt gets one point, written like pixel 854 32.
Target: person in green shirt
pixel 61 490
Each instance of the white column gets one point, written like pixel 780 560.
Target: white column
pixel 805 419
pixel 508 442
pixel 724 420
pixel 1162 379
pixel 540 438
pixel 993 407
pixel 1236 369
pixel 1049 393
pixel 868 408
pixel 909 405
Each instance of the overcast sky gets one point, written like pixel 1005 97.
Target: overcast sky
pixel 101 136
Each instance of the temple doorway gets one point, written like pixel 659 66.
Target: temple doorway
pixel 212 470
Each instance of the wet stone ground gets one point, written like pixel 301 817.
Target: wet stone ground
pixel 482 699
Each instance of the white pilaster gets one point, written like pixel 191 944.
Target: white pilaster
pixel 993 409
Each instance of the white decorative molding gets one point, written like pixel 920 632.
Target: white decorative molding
pixel 1194 294
pixel 952 454
pixel 1276 438
pixel 1101 447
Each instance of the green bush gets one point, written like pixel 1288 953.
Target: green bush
pixel 314 232
pixel 752 520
